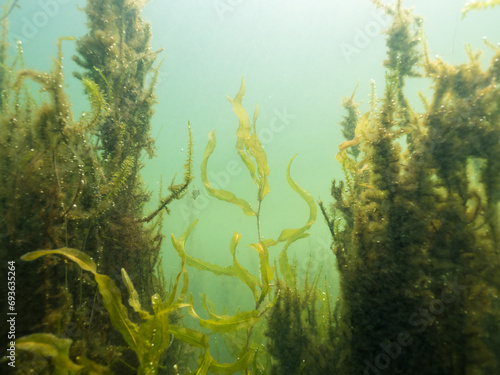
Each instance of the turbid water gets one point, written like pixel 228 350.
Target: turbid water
pixel 300 62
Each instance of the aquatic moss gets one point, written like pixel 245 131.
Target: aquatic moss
pixel 116 59
pixel 417 249
pixel 74 183
pixel 300 331
pixel 478 4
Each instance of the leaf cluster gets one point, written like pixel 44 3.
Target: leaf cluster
pixel 253 156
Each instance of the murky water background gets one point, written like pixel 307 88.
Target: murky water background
pixel 299 58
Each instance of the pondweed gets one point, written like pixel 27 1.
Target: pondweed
pixel 150 337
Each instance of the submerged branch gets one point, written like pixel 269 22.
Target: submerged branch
pixel 177 193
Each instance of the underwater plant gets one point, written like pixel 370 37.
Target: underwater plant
pixel 118 61
pixel 242 328
pixel 48 345
pixel 479 4
pixel 150 338
pixel 71 182
pixel 300 329
pixel 77 186
pixel 415 223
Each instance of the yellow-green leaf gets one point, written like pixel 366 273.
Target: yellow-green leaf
pixel 111 295
pixel 206 360
pixel 478 4
pixel 189 336
pixel 206 266
pixel 248 144
pixel 230 368
pixel 133 300
pixel 48 345
pixel 241 272
pixel 226 323
pixel 112 300
pixel 266 271
pixel 80 258
pixel 221 194
pixel 179 245
pixel 292 235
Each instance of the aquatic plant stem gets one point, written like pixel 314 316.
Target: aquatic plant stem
pixel 259 201
pixel 329 222
pixel 8 9
pixel 176 194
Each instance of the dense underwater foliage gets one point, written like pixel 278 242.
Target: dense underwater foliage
pixel 417 244
pixel 414 223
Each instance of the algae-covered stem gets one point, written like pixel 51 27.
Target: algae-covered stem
pixel 177 191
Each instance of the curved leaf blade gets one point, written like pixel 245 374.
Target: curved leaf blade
pixel 83 260
pixel 221 194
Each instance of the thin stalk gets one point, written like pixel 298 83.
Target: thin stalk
pixel 259 201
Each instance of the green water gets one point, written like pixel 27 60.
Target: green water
pixel 299 59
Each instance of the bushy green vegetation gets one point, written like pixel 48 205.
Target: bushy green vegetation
pixel 415 223
pixel 75 183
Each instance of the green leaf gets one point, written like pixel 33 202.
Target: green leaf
pixel 179 245
pixel 292 235
pixel 189 336
pixel 206 360
pixel 97 101
pixel 83 260
pixel 48 345
pixel 111 295
pixel 230 368
pixel 206 266
pixel 112 300
pixel 133 300
pixel 248 144
pixel 154 339
pixel 221 194
pixel 266 271
pixel 138 338
pixel 225 323
pixel 305 195
pixel 241 272
pixel 236 270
